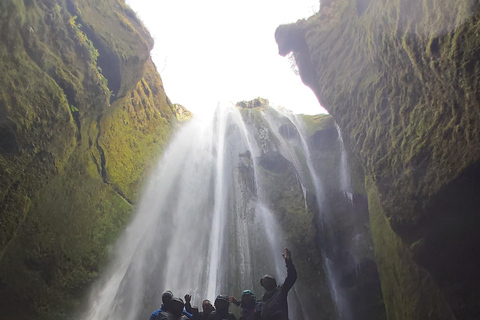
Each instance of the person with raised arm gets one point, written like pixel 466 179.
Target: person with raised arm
pixel 274 300
pixel 202 315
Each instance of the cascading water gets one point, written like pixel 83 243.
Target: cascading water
pixel 345 180
pixel 201 227
pixel 204 225
pixel 333 276
pixel 340 256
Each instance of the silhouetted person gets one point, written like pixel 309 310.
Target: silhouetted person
pixel 221 309
pixel 207 308
pixel 175 308
pixel 274 300
pixel 250 307
pixel 194 310
pixel 189 309
pixel 161 314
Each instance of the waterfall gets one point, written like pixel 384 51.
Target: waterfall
pixel 205 224
pixel 331 270
pixel 198 226
pixel 345 180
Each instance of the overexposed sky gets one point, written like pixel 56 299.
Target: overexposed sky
pixel 224 50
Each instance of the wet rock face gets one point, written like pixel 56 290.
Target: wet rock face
pixel 324 139
pixel 289 132
pixel 447 246
pixel 405 91
pixel 8 141
pixel 274 162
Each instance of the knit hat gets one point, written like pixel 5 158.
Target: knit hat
pixel 248 293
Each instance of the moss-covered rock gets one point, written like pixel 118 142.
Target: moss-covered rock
pixel 71 163
pixel 401 79
pixel 255 103
pixel 134 131
pixel 404 283
pixel 120 38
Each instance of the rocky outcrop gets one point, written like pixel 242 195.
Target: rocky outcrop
pixel 255 103
pixel 83 114
pixel 401 79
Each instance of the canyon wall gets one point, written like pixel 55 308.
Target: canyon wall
pixel 401 78
pixel 83 115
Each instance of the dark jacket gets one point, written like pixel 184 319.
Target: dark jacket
pixel 196 315
pixel 203 316
pixel 221 316
pixel 190 313
pixel 274 302
pixel 250 312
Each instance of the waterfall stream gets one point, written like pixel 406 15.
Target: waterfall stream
pixel 345 179
pixel 333 276
pixel 204 225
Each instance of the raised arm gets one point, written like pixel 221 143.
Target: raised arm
pixel 234 301
pixel 188 306
pixel 291 271
pixel 189 312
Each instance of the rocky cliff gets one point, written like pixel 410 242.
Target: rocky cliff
pixel 401 78
pixel 83 114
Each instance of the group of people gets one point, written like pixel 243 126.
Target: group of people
pixel 272 306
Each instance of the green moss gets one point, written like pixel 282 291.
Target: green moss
pixel 316 122
pixel 117 34
pixel 401 80
pixel 388 83
pixel 63 146
pixel 404 298
pixel 135 132
pixel 63 242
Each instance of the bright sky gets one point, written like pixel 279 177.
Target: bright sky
pixel 224 50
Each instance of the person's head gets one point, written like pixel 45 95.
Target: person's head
pixel 268 282
pixel 176 306
pixel 248 298
pixel 207 307
pixel 222 303
pixel 167 296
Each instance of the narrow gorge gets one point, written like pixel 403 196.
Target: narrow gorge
pixel 111 194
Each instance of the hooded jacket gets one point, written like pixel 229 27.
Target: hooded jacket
pixel 216 315
pixel 274 302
